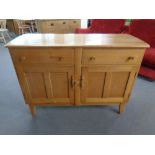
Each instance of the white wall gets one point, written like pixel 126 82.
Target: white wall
pixel 84 23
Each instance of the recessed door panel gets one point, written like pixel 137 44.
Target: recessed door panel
pixel 105 84
pixel 45 84
pixel 95 80
pixel 36 84
pixel 60 84
pixel 118 83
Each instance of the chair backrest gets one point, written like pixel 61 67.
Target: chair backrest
pixel 143 29
pixel 107 25
pixel 3 23
pixel 20 23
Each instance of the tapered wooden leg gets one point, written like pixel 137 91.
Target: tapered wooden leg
pixel 121 108
pixel 32 109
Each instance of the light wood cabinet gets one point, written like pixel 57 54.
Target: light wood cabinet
pixel 74 69
pixel 58 25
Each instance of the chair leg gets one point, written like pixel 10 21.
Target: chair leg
pixel 19 31
pixel 30 30
pixel 22 31
pixel 3 37
pixel 8 35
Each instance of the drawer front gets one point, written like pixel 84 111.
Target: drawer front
pixel 63 23
pixel 54 56
pixel 73 24
pixel 52 23
pixel 63 26
pixel 58 26
pixel 51 26
pixel 112 56
pixel 49 29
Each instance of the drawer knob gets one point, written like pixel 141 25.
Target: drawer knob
pixel 58 58
pixel 23 58
pixel 130 58
pixel 92 58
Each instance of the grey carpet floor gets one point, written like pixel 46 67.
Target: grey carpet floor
pixel 15 118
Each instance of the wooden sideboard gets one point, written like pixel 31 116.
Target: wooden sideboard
pixel 58 25
pixel 76 69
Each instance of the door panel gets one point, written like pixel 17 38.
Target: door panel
pixel 59 84
pixel 95 80
pixel 106 83
pixel 48 84
pixel 36 84
pixel 117 84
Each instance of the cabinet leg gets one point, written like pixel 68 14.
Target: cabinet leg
pixel 32 109
pixel 121 108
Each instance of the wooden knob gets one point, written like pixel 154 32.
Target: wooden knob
pixel 52 24
pixel 130 58
pixel 58 58
pixel 92 58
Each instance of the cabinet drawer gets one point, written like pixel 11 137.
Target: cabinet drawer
pixel 54 56
pixel 50 29
pixel 74 24
pixel 63 22
pixel 63 26
pixel 52 23
pixel 112 56
pixel 51 26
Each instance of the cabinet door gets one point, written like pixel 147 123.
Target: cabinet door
pixel 47 85
pixel 106 84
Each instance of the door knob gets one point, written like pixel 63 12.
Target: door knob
pixel 130 58
pixel 55 57
pixel 92 58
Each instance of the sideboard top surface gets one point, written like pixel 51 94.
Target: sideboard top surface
pixel 78 40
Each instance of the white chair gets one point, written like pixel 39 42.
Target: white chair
pixel 33 25
pixel 4 31
pixel 22 27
